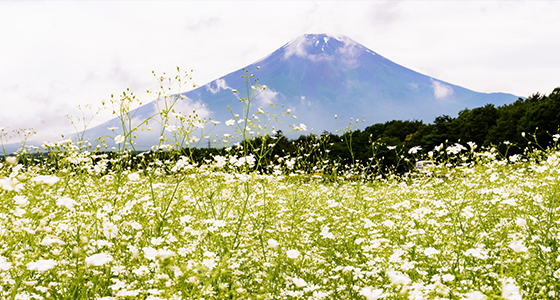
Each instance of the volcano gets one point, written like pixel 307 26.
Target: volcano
pixel 318 76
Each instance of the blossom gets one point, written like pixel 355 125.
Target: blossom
pixel 230 122
pixel 520 222
pixel 293 254
pixel 510 291
pixel 474 296
pixel 272 243
pixel 133 176
pixel 119 139
pixel 431 251
pixel 21 200
pixel 47 241
pixel 12 160
pixel 99 259
pixel 371 294
pixel 66 202
pixel 397 278
pixel 11 184
pixel 210 263
pixel 46 179
pixel 110 230
pixel 42 265
pixel 518 246
pixel 414 150
pixel 299 282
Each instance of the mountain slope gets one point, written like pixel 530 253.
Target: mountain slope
pixel 318 76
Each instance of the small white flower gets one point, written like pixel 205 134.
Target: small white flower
pixel 46 179
pixel 230 122
pixel 371 294
pixel 388 223
pixel 510 291
pixel 47 241
pixel 272 243
pixel 431 251
pixel 518 246
pixel 133 176
pixel 474 296
pixel 299 282
pixel 21 201
pixel 99 259
pixel 520 222
pixel 66 202
pixel 119 139
pixel 41 265
pixel 12 160
pixel 293 254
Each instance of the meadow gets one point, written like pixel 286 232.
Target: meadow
pixel 79 223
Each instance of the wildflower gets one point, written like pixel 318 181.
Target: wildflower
pixel 47 241
pixel 110 230
pixel 210 263
pixel 12 160
pixel 11 184
pixel 230 122
pixel 21 201
pixel 520 222
pixel 371 294
pixel 299 282
pixel 474 296
pixel 397 278
pixel 517 246
pixel 41 265
pixel 98 259
pixel 431 251
pixel 119 139
pixel 414 150
pixel 46 179
pixel 293 254
pixel 133 176
pixel 272 243
pixel 66 202
pixel 510 291
pixel 4 264
pixel 391 147
pixel 388 223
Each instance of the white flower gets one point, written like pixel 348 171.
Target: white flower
pixel 431 251
pixel 21 200
pixel 150 253
pixel 12 160
pixel 293 254
pixel 133 176
pixel 230 122
pixel 391 147
pixel 371 294
pixel 66 202
pixel 447 277
pixel 272 243
pixel 47 241
pixel 510 291
pixel 414 150
pixel 164 254
pixel 46 179
pixel 11 184
pixel 397 278
pixel 210 263
pixel 41 265
pixel 520 222
pixel 517 246
pixel 299 282
pixel 4 264
pixel 110 230
pixel 119 139
pixel 388 223
pixel 98 259
pixel 474 296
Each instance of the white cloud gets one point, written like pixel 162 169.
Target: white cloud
pixel 441 90
pixel 296 47
pixel 217 85
pixel 267 96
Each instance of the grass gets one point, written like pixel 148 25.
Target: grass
pixel 486 229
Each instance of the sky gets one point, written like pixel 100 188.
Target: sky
pixel 56 55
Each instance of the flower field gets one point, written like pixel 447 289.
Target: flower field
pixel 93 227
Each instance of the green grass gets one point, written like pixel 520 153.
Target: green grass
pixel 173 230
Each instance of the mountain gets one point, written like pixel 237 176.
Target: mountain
pixel 318 76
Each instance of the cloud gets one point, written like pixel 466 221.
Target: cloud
pixel 441 90
pixel 296 47
pixel 267 96
pixel 219 84
pixel 349 52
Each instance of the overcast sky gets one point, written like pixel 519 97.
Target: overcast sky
pixel 56 55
